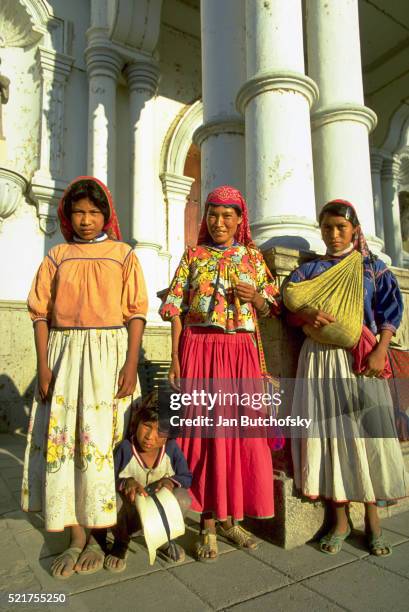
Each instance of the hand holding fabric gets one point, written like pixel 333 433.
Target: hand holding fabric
pixel 133 488
pixel 316 318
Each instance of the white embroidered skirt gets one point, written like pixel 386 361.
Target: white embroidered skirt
pixel 351 451
pixel 68 468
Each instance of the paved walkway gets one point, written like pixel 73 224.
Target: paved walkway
pixel 267 578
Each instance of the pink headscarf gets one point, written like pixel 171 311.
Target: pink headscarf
pixel 227 196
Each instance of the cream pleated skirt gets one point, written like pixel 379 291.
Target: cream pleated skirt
pixel 68 468
pixel 351 451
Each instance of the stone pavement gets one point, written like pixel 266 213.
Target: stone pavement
pixel 264 579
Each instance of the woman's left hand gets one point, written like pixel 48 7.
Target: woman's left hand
pixel 127 380
pixel 375 362
pixel 247 293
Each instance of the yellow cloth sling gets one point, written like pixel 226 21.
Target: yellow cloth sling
pixel 337 291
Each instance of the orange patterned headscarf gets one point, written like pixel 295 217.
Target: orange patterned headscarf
pixel 111 227
pixel 227 196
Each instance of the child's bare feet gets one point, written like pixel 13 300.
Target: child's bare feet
pixel 115 561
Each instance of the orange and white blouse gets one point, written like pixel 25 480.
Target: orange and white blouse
pixel 89 285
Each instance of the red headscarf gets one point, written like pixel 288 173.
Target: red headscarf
pixel 359 242
pixel 111 227
pixel 227 196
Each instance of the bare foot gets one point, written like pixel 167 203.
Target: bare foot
pixel 332 542
pixel 63 566
pixel 377 544
pixel 206 548
pixel 91 560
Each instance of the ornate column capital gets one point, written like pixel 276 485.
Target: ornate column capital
pixel 102 59
pixel 391 169
pixel 277 80
pixel 176 185
pixel 12 188
pixel 143 76
pixel 222 125
pixel 54 66
pixel 345 112
pixel 46 193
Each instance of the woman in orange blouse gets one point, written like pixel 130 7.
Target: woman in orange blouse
pixel 88 304
pixel 217 289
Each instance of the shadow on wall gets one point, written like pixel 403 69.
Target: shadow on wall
pixel 14 407
pixel 290 242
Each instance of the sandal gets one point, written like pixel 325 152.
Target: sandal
pixel 172 552
pixel 94 548
pixel 207 545
pixel 74 554
pixel 119 551
pixel 239 536
pixel 378 543
pixel 335 540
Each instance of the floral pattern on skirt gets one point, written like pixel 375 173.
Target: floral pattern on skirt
pixel 68 468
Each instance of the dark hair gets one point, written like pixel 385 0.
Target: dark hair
pixel 146 414
pixel 338 209
pixel 89 189
pixel 154 408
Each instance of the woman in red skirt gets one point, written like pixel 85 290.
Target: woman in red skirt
pixel 217 289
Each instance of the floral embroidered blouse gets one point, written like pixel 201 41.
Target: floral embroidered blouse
pixel 202 290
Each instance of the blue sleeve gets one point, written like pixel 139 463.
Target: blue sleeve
pixel 122 456
pixel 388 304
pixel 183 476
pixel 308 270
pixel 297 275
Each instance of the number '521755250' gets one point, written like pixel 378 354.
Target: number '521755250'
pixel 36 598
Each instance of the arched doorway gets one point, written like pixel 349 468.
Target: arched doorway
pixel 180 176
pixel 192 210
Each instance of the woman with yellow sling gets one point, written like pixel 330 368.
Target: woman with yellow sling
pixel 351 451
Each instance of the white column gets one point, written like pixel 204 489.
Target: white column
pixel 103 66
pixel 341 123
pixel 143 79
pixel 377 158
pixel 221 137
pixel 391 213
pixel 176 189
pixel 276 100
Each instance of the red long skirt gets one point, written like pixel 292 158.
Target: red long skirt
pixel 232 476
